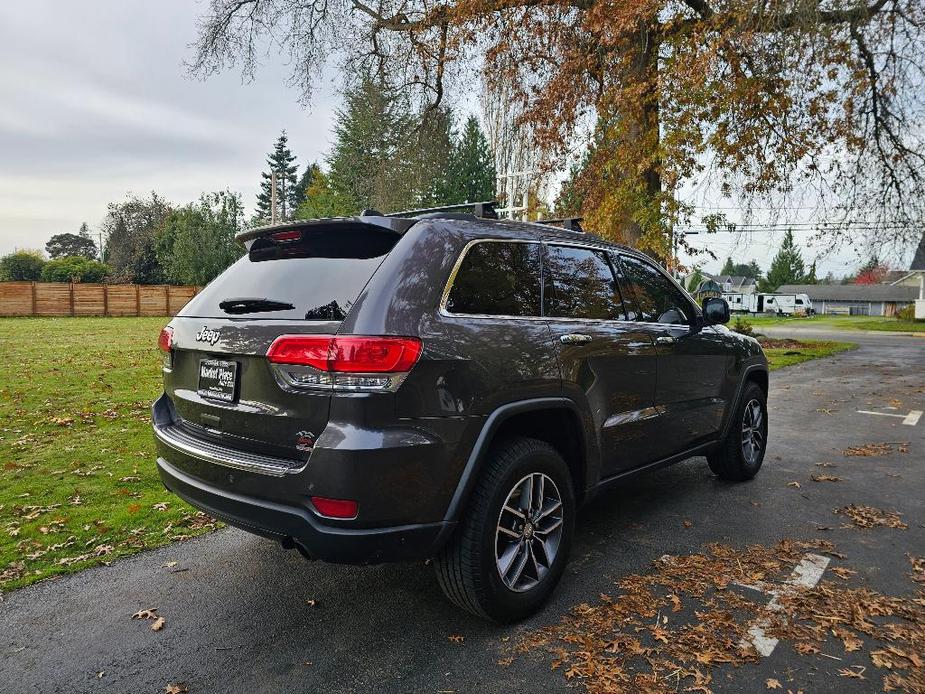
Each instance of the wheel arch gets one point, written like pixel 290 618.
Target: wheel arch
pixel 753 373
pixel 557 421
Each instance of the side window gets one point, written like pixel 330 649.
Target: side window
pixel 580 284
pixel 498 279
pixel 657 299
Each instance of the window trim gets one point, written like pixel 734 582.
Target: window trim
pixel 696 311
pixel 458 264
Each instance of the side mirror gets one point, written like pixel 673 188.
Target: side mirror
pixel 715 311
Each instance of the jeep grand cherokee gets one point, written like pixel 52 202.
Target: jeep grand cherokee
pixel 447 386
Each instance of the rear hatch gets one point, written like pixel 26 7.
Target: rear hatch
pixel 301 280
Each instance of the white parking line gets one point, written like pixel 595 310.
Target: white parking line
pixel 806 574
pixel 910 419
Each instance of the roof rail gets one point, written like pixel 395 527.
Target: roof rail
pixel 484 209
pixel 570 223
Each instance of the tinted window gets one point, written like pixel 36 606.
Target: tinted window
pixel 657 299
pixel 316 288
pixel 580 284
pixel 498 279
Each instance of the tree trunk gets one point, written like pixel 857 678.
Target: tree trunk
pixel 642 132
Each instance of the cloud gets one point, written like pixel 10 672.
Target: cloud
pixel 94 103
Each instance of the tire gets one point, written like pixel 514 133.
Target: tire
pixel 469 568
pixel 733 459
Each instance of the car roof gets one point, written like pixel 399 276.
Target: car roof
pixel 469 225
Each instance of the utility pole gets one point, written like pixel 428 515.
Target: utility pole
pixel 273 197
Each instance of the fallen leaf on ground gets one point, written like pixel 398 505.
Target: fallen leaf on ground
pixel 853 674
pixel 918 568
pixel 772 683
pixel 456 638
pixel 176 688
pixel 871 517
pixel 825 478
pixel 869 450
pixel 311 602
pixel 794 484
pixel 148 613
pixel 158 624
pixel 842 572
pixel 687 523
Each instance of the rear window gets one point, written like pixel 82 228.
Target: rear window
pixel 497 278
pixel 315 288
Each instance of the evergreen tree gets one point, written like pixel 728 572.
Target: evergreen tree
pixel 428 155
pixel 280 160
pixel 728 267
pixel 811 275
pixel 320 199
pixel 370 130
pixel 472 167
pixel 305 180
pixel 696 277
pixel 786 268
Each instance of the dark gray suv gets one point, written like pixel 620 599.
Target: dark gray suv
pixel 448 386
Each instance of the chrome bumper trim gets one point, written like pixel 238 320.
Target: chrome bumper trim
pixel 175 438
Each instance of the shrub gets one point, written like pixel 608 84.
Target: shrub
pixel 21 266
pixel 906 313
pixel 74 268
pixel 742 326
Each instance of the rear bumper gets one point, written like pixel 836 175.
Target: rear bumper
pixel 291 524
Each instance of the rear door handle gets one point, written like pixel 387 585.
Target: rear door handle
pixel 575 339
pixel 665 340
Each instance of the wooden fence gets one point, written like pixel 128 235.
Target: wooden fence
pixel 64 299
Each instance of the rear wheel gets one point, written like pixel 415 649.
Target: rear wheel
pixel 512 544
pixel 741 453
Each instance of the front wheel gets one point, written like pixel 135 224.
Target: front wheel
pixel 512 544
pixel 739 456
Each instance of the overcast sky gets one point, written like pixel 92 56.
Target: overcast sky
pixel 95 103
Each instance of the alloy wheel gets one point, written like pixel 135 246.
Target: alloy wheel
pixel 529 532
pixel 752 431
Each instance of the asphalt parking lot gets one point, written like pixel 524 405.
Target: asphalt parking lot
pixel 243 615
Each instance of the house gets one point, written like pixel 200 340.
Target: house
pixel 915 278
pixel 855 299
pixel 734 284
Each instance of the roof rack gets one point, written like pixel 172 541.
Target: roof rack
pixel 570 223
pixel 484 209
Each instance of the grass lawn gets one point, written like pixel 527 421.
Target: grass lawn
pixel 78 485
pixel 839 322
pixel 804 350
pixel 77 480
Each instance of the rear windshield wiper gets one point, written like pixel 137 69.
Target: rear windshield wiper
pixel 253 305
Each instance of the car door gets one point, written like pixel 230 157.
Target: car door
pixel 605 361
pixel 694 365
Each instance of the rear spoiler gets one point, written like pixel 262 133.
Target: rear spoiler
pixel 367 224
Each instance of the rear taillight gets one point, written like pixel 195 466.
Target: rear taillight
pixel 344 509
pixel 350 362
pixel 165 344
pixel 165 340
pixel 286 236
